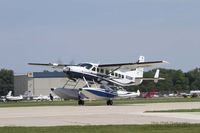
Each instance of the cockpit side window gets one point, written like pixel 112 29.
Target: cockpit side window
pixel 102 70
pixel 94 69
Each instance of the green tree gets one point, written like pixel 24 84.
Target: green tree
pixel 6 81
pixel 194 78
pixel 175 80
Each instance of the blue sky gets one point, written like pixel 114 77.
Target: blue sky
pixel 104 31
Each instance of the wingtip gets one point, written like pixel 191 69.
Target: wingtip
pixel 29 63
pixel 165 62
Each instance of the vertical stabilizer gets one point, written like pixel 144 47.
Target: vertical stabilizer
pixel 141 59
pixel 156 76
pixel 140 70
pixel 9 93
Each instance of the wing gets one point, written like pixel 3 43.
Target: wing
pixel 53 65
pixel 131 65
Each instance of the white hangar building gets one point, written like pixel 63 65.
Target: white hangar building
pixel 40 83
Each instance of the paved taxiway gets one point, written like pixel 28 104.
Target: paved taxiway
pixel 97 115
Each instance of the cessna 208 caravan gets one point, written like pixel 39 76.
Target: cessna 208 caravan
pixel 124 74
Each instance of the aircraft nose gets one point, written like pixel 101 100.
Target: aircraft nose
pixel 66 69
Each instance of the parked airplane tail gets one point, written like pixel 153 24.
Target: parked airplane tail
pixel 9 93
pixel 138 92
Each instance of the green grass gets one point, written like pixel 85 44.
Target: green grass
pixel 97 103
pixel 173 111
pixel 165 128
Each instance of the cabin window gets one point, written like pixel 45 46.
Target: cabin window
pixel 102 70
pixel 97 69
pixel 107 72
pixel 112 74
pixel 123 76
pixel 128 77
pixel 94 69
pixel 120 75
pixel 116 75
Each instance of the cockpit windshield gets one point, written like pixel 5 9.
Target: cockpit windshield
pixel 86 65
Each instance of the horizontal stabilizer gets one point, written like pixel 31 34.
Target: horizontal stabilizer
pixel 156 77
pixel 149 79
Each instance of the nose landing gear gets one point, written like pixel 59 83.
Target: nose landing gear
pixel 81 102
pixel 109 102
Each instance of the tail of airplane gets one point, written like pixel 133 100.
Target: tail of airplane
pixel 9 93
pixel 155 79
pixel 136 75
pixel 140 70
pixel 138 92
pixel 156 76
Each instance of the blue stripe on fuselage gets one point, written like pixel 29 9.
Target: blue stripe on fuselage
pixel 102 93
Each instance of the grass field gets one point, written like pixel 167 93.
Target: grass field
pixel 97 103
pixel 165 128
pixel 173 111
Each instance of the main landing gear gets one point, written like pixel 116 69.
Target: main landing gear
pixel 109 102
pixel 81 102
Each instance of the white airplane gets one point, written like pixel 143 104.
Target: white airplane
pixel 193 94
pixel 9 97
pixel 123 74
pixel 41 98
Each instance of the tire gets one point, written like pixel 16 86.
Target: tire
pixel 109 102
pixel 81 102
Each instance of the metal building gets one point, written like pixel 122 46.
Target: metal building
pixel 39 83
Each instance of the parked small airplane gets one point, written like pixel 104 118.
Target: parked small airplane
pixel 41 98
pixel 9 97
pixel 124 74
pixel 192 94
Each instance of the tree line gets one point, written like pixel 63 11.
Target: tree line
pixel 175 80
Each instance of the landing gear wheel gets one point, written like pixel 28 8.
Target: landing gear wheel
pixel 109 102
pixel 81 102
